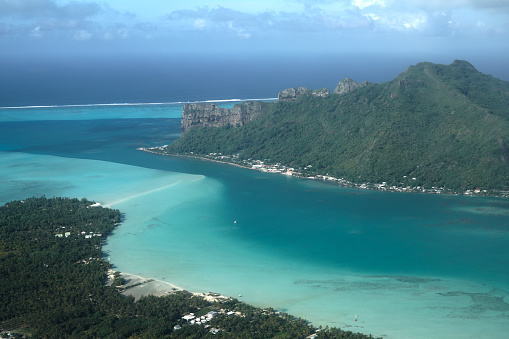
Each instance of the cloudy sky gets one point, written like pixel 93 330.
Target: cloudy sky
pixel 418 30
pixel 261 26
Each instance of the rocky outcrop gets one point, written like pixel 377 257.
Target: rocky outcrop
pixel 347 85
pixel 319 92
pixel 292 94
pixel 211 115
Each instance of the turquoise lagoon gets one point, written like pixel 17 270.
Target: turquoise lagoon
pixel 396 265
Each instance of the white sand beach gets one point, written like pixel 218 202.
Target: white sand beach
pixel 138 286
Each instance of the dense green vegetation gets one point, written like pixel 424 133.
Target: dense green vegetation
pixel 444 125
pixel 53 286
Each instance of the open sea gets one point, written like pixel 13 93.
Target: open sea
pixel 397 265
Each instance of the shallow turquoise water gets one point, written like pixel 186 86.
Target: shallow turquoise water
pixel 408 265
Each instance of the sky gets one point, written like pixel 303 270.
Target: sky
pixel 474 30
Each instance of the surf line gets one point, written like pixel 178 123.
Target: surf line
pixel 138 103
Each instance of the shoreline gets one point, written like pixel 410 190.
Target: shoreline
pixel 159 150
pixel 138 286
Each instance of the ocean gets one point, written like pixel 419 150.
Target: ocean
pixel 397 265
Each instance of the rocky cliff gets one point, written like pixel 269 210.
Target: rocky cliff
pixel 211 115
pixel 344 86
pixel 292 94
pixel 347 85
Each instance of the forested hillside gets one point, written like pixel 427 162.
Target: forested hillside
pixel 433 126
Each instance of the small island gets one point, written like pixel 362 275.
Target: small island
pixel 434 129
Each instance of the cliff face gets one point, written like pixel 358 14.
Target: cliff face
pixel 292 94
pixel 347 85
pixel 211 115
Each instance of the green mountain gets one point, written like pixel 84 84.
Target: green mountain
pixel 433 126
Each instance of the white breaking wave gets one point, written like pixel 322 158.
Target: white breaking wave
pixel 141 103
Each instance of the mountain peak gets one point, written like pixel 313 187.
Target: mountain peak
pixel 463 64
pixel 456 66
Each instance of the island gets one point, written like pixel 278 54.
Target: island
pixel 434 128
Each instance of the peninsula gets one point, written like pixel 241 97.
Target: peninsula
pixel 434 128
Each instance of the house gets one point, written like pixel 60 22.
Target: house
pixel 189 317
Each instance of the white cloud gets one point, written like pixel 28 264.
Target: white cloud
pixel 71 20
pixel 238 31
pixel 48 9
pixel 366 18
pixel 502 6
pixel 82 35
pixel 123 32
pixel 4 29
pixel 108 36
pixel 36 32
pixel 266 23
pixel 362 4
pixel 200 24
pixel 246 25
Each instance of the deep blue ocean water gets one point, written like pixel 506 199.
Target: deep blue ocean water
pixel 409 265
pixel 85 80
